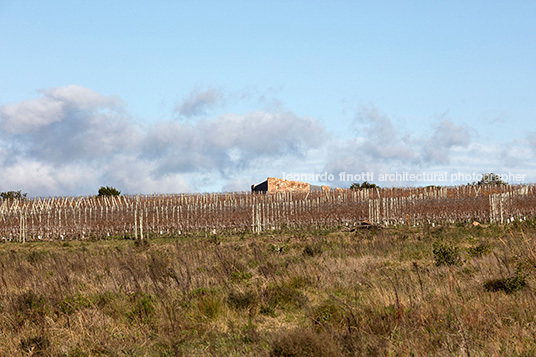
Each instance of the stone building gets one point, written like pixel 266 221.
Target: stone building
pixel 273 184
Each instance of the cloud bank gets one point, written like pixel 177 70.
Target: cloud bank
pixel 382 145
pixel 72 139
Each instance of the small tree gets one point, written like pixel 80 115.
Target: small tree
pixel 11 195
pixel 108 191
pixel 364 185
pixel 490 179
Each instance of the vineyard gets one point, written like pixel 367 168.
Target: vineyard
pixel 68 218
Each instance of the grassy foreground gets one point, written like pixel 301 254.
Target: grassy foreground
pixel 438 291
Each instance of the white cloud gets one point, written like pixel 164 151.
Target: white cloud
pixel 381 140
pixel 378 146
pixel 239 184
pixel 43 179
pixel 446 135
pixel 381 145
pixel 198 102
pixel 231 141
pixel 531 138
pixel 65 125
pixel 135 175
pixel 54 106
pixel 73 139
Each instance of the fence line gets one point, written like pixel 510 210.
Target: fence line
pixel 146 215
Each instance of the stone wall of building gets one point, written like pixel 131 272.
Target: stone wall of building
pixel 273 184
pixel 279 185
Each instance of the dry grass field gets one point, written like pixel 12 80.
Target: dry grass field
pixel 449 290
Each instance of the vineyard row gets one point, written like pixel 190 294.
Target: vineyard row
pixel 141 216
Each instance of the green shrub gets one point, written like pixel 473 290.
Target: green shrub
pixel 12 195
pixel 489 179
pixel 479 250
pixel 508 285
pixel 364 185
pixel 104 298
pixel 239 276
pixel 446 255
pixel 108 191
pixel 31 306
pixel 143 307
pixel 73 303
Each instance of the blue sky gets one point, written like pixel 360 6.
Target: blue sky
pixel 174 96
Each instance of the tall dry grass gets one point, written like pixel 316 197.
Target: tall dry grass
pixel 370 292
